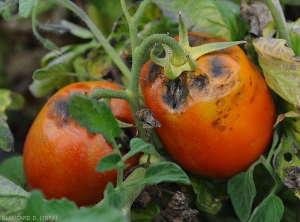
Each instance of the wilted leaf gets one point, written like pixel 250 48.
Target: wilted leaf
pixel 286 164
pixel 12 198
pixel 6 137
pixel 281 68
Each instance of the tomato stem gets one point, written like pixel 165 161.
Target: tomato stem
pixel 278 16
pixel 267 165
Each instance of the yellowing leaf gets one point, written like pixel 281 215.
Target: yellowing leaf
pixel 281 68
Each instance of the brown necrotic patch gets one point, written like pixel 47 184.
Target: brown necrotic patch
pixel 177 91
pixel 59 112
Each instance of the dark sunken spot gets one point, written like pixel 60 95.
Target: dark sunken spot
pixel 176 93
pixel 200 82
pixel 59 112
pixel 154 72
pixel 216 67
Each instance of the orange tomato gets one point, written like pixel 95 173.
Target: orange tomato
pixel 216 121
pixel 60 157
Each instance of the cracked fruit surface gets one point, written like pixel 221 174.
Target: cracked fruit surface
pixel 60 157
pixel 217 120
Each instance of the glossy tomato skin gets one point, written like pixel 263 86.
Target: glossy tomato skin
pixel 60 157
pixel 217 120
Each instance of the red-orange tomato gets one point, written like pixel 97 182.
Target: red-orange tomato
pixel 60 157
pixel 217 120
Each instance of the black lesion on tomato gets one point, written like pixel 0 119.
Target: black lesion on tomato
pixel 217 67
pixel 176 93
pixel 154 72
pixel 59 112
pixel 199 82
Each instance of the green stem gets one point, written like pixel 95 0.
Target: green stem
pixel 99 36
pixel 109 93
pixel 179 56
pixel 120 171
pixel 278 183
pixel 278 16
pixel 132 191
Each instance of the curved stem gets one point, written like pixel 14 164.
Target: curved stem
pixel 109 93
pixel 278 183
pixel 99 36
pixel 278 16
pixel 141 50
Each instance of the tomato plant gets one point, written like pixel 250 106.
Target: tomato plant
pixel 214 113
pixel 60 157
pixel 216 120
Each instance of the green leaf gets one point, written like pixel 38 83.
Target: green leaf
pixel 219 18
pixel 6 136
pixel 42 88
pixel 25 7
pixel 281 68
pixel 12 198
pixel 5 101
pixel 63 210
pixel 95 116
pixel 145 215
pixel 113 198
pixel 5 11
pixel 270 210
pixel 162 172
pixel 110 162
pixel 137 146
pixel 12 169
pixel 210 193
pixel 241 189
pixel 38 207
pixel 56 70
pixel 77 30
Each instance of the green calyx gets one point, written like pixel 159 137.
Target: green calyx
pixel 173 68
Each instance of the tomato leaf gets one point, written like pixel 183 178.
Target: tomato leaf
pixel 162 172
pixel 219 18
pixel 38 208
pixel 137 146
pixel 12 198
pixel 5 11
pixel 270 209
pixel 286 163
pixel 241 189
pixel 25 7
pixel 42 88
pixel 210 193
pixel 110 162
pixel 113 198
pixel 12 169
pixel 56 70
pixel 145 215
pixel 281 68
pixel 6 136
pixel 95 116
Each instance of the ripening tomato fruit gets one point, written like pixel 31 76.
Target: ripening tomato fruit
pixel 60 157
pixel 216 121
